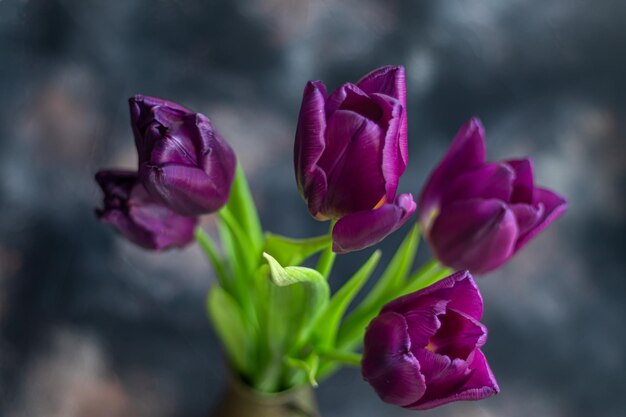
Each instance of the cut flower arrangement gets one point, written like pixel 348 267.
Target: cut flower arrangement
pixel 417 334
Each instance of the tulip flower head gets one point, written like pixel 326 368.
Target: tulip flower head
pixel 350 151
pixel 477 214
pixel 423 349
pixel 183 160
pixel 139 217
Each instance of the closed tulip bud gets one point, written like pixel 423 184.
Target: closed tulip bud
pixel 183 160
pixel 423 349
pixel 350 151
pixel 477 214
pixel 139 217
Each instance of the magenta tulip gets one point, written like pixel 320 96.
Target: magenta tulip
pixel 423 349
pixel 183 161
pixel 475 214
pixel 350 151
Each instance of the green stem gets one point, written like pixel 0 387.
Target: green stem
pixel 326 261
pixel 344 357
pixel 327 258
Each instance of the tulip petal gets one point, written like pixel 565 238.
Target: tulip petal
pixel 350 97
pixel 187 190
pixel 137 216
pixel 168 228
pixel 352 163
pixel 478 235
pixel 116 184
pixel 466 152
pixel 482 381
pixel 487 181
pixel 337 97
pixel 523 185
pixel 443 375
pixel 309 144
pixel 127 228
pixel 171 147
pixel 216 157
pixel 422 321
pixel 459 290
pixel 315 191
pixel 465 296
pixel 393 165
pixel 390 81
pixel 459 335
pixel 388 364
pixel 366 228
pixel 145 104
pixel 480 385
pixel 145 110
pixel 553 205
pixel 527 216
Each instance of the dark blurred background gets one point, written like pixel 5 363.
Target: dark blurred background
pixel 92 326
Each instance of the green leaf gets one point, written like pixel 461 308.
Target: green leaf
pixel 207 244
pixel 230 251
pixel 240 266
pixel 231 327
pixel 240 231
pixel 241 205
pixel 243 250
pixel 429 274
pixel 288 251
pixel 328 324
pixel 388 287
pixel 394 276
pixel 297 297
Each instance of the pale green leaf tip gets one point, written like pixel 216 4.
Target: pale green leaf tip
pixel 276 269
pixel 278 275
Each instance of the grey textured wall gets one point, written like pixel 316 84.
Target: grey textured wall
pixel 92 326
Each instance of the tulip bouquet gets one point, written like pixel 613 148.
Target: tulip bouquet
pixel 416 334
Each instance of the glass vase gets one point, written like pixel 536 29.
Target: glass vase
pixel 239 400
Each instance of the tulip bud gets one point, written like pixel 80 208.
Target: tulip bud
pixel 137 216
pixel 350 151
pixel 423 349
pixel 475 214
pixel 183 160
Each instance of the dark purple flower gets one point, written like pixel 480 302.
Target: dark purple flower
pixel 183 160
pixel 350 151
pixel 139 217
pixel 423 349
pixel 477 214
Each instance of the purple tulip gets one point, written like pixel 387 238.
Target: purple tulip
pixel 139 217
pixel 350 151
pixel 477 214
pixel 423 349
pixel 183 160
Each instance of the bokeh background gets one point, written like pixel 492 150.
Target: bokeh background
pixel 92 326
